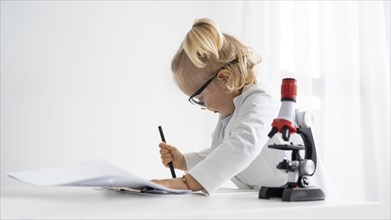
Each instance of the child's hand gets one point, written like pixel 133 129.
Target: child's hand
pixel 179 183
pixel 176 183
pixel 169 153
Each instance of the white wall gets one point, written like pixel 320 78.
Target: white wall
pixel 84 80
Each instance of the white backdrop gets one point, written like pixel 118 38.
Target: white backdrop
pixel 340 53
pixel 83 80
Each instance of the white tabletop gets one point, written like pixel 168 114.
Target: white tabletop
pixel 27 202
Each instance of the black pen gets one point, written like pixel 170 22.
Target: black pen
pixel 169 164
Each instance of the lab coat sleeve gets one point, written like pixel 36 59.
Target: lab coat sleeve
pixel 248 135
pixel 194 157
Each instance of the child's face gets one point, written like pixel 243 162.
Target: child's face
pixel 216 96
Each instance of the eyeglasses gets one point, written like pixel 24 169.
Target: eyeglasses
pixel 198 102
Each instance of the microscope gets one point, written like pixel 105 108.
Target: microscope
pixel 291 121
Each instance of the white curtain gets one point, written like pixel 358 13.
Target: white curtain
pixel 340 53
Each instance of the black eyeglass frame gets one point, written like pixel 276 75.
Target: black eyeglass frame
pixel 201 89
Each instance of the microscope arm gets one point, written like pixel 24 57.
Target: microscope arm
pixel 310 151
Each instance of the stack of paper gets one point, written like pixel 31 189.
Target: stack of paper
pixel 94 173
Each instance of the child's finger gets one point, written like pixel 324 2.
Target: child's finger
pixel 163 145
pixel 164 151
pixel 167 146
pixel 166 156
pixel 166 161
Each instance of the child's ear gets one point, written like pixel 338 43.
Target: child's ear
pixel 224 75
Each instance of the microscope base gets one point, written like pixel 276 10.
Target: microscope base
pixel 292 194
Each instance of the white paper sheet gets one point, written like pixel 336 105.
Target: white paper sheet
pixel 93 173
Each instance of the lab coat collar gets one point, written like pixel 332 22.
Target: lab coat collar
pixel 238 99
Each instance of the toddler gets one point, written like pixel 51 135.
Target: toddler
pixel 217 72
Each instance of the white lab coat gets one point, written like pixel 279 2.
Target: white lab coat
pixel 241 155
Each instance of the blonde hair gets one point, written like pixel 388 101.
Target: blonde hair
pixel 205 50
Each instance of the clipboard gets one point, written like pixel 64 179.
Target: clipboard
pixel 92 173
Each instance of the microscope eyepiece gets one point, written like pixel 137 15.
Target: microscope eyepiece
pixel 288 90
